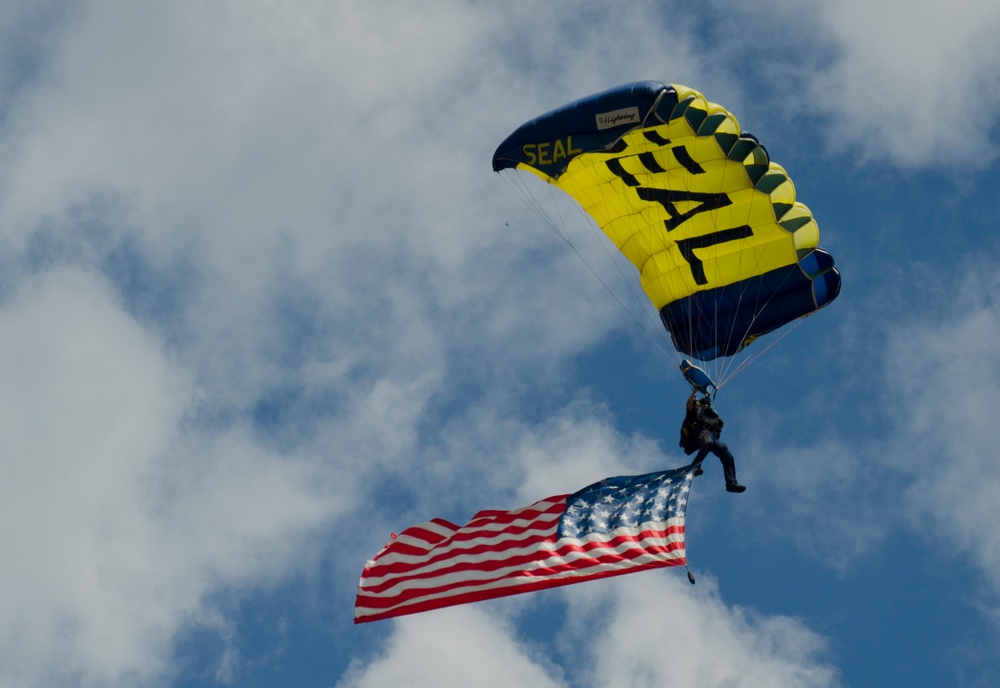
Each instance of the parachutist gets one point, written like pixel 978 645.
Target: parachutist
pixel 700 433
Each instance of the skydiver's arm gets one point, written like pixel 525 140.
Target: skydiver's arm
pixel 690 402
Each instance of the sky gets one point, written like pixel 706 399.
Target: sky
pixel 263 302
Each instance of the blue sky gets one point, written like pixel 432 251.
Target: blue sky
pixel 263 302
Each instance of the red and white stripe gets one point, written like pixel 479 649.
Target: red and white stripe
pixel 498 553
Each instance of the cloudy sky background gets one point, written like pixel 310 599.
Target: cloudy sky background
pixel 263 302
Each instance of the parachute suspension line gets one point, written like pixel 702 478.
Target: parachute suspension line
pixel 727 363
pixel 639 301
pixel 631 277
pixel 735 363
pixel 521 190
pixel 529 199
pixel 750 359
pixel 758 308
pixel 714 367
pixel 602 240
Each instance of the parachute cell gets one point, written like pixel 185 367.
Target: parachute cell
pixel 724 250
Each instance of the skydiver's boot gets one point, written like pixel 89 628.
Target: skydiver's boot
pixel 734 486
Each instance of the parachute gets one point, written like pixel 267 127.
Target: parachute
pixel 724 251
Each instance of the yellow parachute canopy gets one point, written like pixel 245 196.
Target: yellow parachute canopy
pixel 723 249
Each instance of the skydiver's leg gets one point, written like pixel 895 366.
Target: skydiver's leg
pixel 726 457
pixel 728 467
pixel 702 453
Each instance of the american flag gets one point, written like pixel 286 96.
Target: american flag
pixel 618 525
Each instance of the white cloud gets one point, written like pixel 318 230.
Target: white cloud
pixel 921 449
pixel 911 81
pixel 318 176
pixel 117 517
pixel 580 446
pixel 914 80
pixel 833 487
pixel 909 84
pixel 460 646
pixel 664 632
pixel 640 630
pixel 945 379
pixel 88 402
pixel 270 156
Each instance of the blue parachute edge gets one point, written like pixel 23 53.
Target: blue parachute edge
pixel 713 322
pixel 576 128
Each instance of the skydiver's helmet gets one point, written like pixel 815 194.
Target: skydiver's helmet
pixel 704 402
